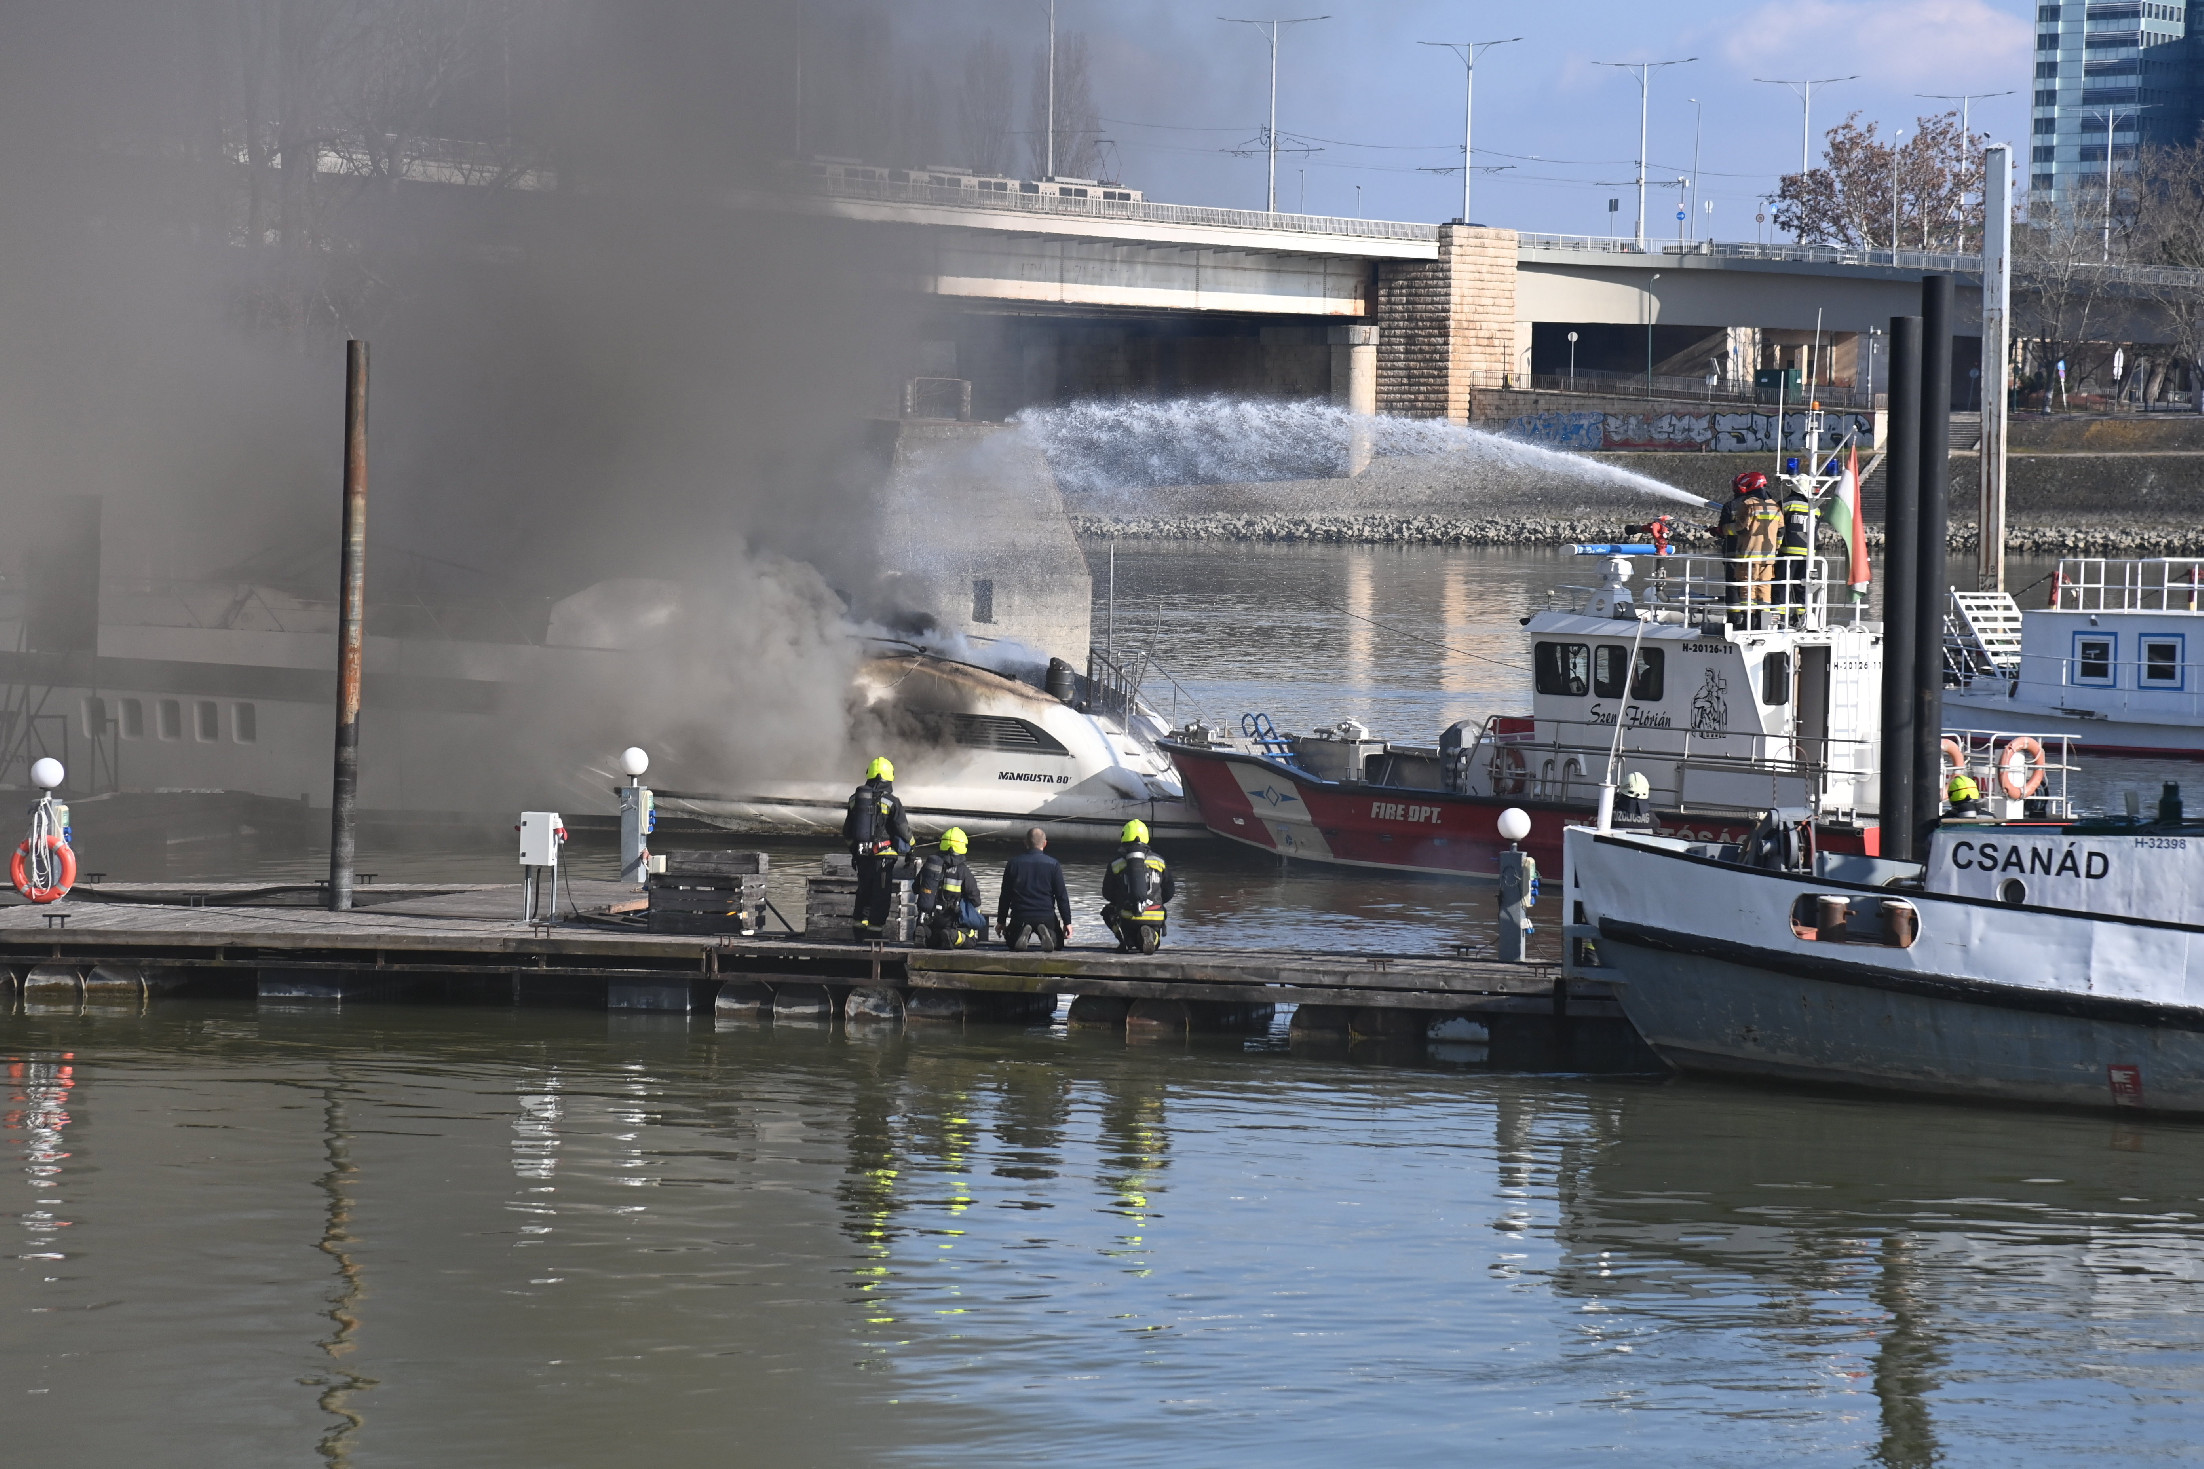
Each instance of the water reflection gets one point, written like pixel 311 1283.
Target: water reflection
pixel 985 1243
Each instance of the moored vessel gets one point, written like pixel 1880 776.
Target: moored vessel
pixel 2046 960
pixel 1726 707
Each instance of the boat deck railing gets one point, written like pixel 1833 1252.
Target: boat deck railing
pixel 2154 584
pixel 1795 592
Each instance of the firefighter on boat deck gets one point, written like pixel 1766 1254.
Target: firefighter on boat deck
pixel 1134 892
pixel 948 896
pixel 1746 522
pixel 879 838
pixel 1963 794
pixel 1795 542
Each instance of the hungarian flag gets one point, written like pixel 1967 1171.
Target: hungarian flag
pixel 1843 514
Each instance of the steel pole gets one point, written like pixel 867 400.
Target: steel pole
pixel 1932 578
pixel 1901 525
pixel 344 787
pixel 1997 307
pixel 1469 125
pixel 1272 206
pixel 1645 90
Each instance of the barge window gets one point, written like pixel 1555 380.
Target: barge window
pixel 2093 658
pixel 2162 663
pixel 1775 679
pixel 96 718
pixel 245 724
pixel 172 719
pixel 1648 679
pixel 209 716
pixel 133 718
pixel 1563 668
pixel 983 599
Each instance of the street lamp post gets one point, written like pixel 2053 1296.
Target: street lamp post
pixel 1649 314
pixel 1469 51
pixel 1572 362
pixel 1645 91
pixel 1698 119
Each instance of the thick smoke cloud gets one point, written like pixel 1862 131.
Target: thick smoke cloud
pixel 590 360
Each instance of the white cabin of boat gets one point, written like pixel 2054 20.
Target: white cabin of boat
pixel 2118 657
pixel 1722 706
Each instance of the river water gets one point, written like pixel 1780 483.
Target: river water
pixel 441 1234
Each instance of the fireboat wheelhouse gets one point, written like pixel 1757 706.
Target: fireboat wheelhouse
pixel 1730 709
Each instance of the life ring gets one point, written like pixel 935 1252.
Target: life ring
pixel 1510 772
pixel 19 870
pixel 2021 753
pixel 1955 756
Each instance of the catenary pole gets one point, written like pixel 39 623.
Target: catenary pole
pixel 1644 70
pixel 1271 133
pixel 1469 51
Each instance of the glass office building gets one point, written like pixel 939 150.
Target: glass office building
pixel 2110 74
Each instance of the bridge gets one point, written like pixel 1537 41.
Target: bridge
pixel 1064 288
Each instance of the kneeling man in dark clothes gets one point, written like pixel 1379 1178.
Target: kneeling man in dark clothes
pixel 1035 904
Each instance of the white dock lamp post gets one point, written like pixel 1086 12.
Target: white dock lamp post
pixel 638 817
pixel 1518 886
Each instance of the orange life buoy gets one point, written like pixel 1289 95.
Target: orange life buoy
pixel 1510 772
pixel 19 870
pixel 1955 755
pixel 2021 753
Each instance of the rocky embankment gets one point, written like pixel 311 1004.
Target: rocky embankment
pixel 2072 504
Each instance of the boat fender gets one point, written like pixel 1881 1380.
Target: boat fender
pixel 19 870
pixel 2021 767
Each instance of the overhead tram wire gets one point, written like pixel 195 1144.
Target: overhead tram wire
pixel 1434 642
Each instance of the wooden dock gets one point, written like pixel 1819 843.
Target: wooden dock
pixel 468 941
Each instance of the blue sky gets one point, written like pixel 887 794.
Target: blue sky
pixel 1176 86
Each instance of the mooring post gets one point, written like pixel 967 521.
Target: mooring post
pixel 1932 574
pixel 1901 524
pixel 344 786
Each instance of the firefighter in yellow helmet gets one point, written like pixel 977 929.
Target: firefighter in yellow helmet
pixel 1134 891
pixel 1964 796
pixel 879 837
pixel 948 895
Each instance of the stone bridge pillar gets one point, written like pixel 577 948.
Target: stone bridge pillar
pixel 1447 325
pixel 1355 386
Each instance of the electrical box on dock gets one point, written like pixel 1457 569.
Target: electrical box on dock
pixel 540 834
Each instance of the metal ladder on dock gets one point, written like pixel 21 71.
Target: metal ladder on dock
pixel 1981 636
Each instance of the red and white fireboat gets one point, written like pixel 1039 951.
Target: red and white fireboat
pixel 1730 709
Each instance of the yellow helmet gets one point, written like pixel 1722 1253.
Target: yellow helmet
pixel 882 768
pixel 954 840
pixel 1135 831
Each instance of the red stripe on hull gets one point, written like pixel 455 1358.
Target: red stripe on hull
pixel 1392 827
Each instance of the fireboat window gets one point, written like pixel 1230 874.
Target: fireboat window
pixel 1646 682
pixel 1563 668
pixel 1775 679
pixel 133 718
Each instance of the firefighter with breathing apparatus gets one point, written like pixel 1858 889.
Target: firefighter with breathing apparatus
pixel 948 896
pixel 1134 892
pixel 879 837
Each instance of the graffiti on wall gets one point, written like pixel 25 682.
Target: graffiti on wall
pixel 1734 433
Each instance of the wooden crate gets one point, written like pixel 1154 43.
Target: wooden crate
pixel 717 864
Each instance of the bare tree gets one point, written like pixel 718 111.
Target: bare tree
pixel 1923 194
pixel 2059 302
pixel 985 108
pixel 1078 121
pixel 2166 228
